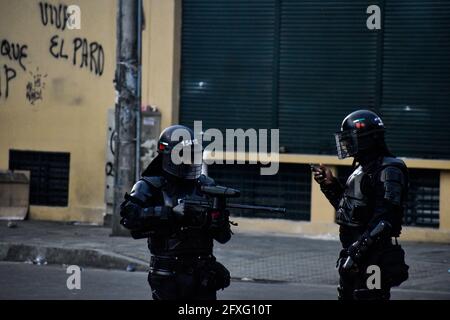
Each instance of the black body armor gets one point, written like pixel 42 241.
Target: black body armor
pixel 354 204
pixel 385 178
pixel 373 192
pixel 185 235
pixel 182 265
pixel 369 210
pixel 180 236
pixel 171 235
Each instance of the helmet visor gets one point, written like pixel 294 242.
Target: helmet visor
pixel 183 171
pixel 346 143
pixel 188 164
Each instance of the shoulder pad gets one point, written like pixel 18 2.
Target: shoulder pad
pixel 206 181
pixel 141 192
pixel 393 174
pixel 394 182
pixel 155 182
pixel 393 162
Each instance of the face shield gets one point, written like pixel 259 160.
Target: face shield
pixel 351 142
pixel 346 143
pixel 184 160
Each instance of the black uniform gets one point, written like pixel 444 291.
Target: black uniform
pixel 180 240
pixel 369 210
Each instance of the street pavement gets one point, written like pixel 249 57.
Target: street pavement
pixel 42 282
pixel 275 266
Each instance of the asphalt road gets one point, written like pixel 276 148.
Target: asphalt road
pixel 293 259
pixel 26 281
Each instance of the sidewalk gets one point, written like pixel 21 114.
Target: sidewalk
pixel 247 256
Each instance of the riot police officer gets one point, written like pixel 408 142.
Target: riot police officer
pixel 369 209
pixel 180 240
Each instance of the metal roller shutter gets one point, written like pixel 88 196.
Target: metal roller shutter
pixel 302 65
pixel 328 68
pixel 227 63
pixel 416 77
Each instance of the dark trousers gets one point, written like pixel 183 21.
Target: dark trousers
pixel 355 288
pixel 179 286
pixel 353 285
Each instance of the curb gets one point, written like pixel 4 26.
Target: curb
pixel 84 258
pixel 69 256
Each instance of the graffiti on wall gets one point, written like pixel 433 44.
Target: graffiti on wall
pixel 109 157
pixel 7 74
pixel 60 16
pixel 80 52
pixel 35 87
pixel 16 54
pixel 54 15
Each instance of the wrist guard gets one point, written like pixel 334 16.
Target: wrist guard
pixel 358 249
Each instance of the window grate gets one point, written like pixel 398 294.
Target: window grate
pixel 290 188
pixel 49 175
pixel 423 200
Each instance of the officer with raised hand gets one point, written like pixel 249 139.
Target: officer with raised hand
pixel 369 209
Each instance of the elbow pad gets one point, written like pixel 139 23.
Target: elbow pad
pixel 136 211
pixel 394 182
pixel 140 193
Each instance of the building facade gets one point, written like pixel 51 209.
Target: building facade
pixel 56 88
pixel 299 66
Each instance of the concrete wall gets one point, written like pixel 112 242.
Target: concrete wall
pixel 68 111
pixel 65 109
pixel 161 58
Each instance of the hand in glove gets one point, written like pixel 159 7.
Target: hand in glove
pixel 179 210
pixel 219 218
pixel 135 215
pixel 130 213
pixel 351 259
pixel 322 174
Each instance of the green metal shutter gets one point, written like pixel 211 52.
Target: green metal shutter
pixel 416 77
pixel 329 66
pixel 227 63
pixel 229 79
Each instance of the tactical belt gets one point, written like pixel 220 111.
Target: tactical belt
pixel 163 264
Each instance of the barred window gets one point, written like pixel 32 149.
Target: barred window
pixel 49 185
pixel 290 188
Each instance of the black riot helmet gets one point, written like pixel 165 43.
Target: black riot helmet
pixel 361 131
pixel 181 152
